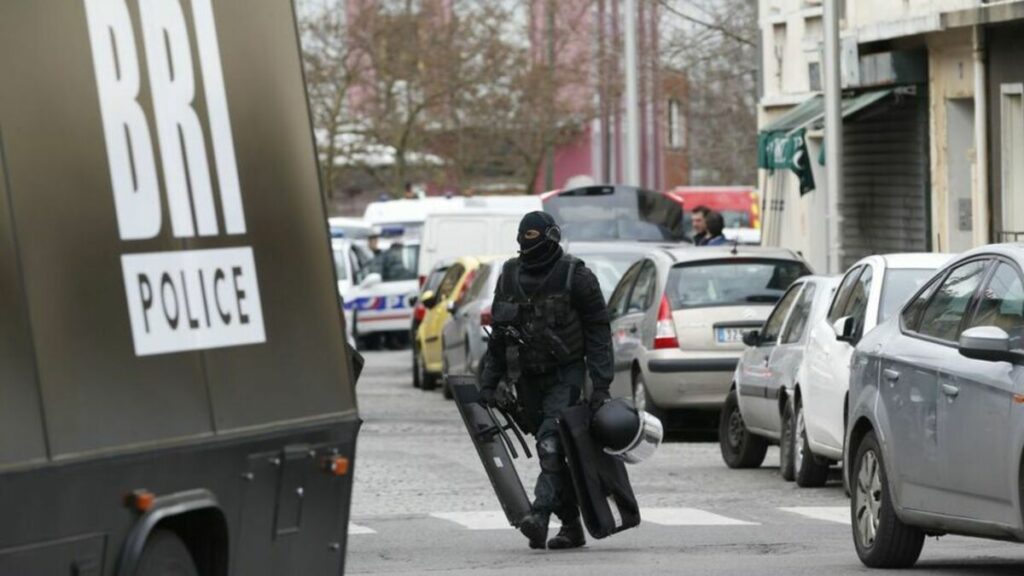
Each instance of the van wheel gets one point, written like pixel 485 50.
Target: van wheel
pixel 786 444
pixel 740 448
pixel 165 555
pixel 881 538
pixel 810 471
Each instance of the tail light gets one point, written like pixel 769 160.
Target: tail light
pixel 485 316
pixel 418 312
pixel 423 280
pixel 665 331
pixel 465 285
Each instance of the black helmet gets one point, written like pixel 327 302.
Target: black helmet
pixel 626 432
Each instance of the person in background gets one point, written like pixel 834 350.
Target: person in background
pixel 409 193
pixel 700 228
pixel 715 225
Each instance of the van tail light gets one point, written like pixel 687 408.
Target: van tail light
pixel 418 312
pixel 665 331
pixel 485 316
pixel 423 280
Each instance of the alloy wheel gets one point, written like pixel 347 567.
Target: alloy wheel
pixel 736 428
pixel 868 498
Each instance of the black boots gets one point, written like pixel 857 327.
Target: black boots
pixel 570 536
pixel 535 528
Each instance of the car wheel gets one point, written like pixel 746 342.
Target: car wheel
pixel 642 400
pixel 740 448
pixel 165 555
pixel 428 381
pixel 809 470
pixel 417 374
pixel 881 538
pixel 786 444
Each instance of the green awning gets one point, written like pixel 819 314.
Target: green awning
pixel 782 144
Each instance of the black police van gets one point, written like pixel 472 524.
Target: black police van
pixel 175 391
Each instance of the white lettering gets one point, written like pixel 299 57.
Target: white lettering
pixel 129 147
pixel 179 132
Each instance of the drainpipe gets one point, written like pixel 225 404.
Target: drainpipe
pixel 833 136
pixel 631 162
pixel 980 194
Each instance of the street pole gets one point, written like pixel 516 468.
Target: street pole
pixel 549 32
pixel 833 136
pixel 632 159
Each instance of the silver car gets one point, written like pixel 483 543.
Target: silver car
pixel 936 431
pixel 757 410
pixel 678 319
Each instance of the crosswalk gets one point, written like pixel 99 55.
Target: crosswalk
pixel 669 517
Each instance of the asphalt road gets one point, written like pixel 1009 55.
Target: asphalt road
pixel 422 504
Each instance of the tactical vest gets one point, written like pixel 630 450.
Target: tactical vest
pixel 550 327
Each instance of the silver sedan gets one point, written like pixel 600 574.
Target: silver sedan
pixel 936 434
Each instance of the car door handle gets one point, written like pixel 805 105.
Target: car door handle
pixel 890 375
pixel 950 390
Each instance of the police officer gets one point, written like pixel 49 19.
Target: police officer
pixel 550 327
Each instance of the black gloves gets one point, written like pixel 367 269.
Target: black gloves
pixel 487 397
pixel 599 397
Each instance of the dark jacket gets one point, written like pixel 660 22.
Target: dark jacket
pixel 719 240
pixel 586 299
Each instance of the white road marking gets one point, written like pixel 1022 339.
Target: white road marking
pixel 688 517
pixel 481 519
pixel 837 514
pixel 357 529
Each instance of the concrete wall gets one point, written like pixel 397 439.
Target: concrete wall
pixel 861 13
pixel 790 37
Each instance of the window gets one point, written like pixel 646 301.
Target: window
pixel 797 324
pixel 620 297
pixel 843 294
pixel 733 282
pixel 451 278
pixel 480 281
pixel 643 292
pixel 773 327
pixel 857 305
pixel 899 285
pixel 912 313
pixel 340 260
pixel 779 53
pixel 1002 304
pixel 943 314
pixel 1012 130
pixel 676 125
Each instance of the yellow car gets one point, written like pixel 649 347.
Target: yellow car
pixel 427 350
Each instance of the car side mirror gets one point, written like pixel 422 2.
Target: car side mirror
pixel 752 338
pixel 844 329
pixel 988 343
pixel 429 299
pixel 371 280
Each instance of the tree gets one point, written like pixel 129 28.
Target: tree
pixel 715 41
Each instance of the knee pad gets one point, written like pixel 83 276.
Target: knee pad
pixel 550 455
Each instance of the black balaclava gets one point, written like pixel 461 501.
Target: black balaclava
pixel 538 241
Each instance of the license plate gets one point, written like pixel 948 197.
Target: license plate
pixel 729 335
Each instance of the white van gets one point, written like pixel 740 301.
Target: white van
pixel 469 232
pixel 405 218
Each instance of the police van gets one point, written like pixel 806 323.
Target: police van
pixel 175 389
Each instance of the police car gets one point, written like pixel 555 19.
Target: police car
pixel 381 304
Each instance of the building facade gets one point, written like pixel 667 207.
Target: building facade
pixel 932 119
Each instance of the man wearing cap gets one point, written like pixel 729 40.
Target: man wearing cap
pixel 550 329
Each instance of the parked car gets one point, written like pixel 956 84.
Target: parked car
pixel 739 206
pixel 382 301
pixel 871 291
pixel 757 410
pixel 599 213
pixel 678 319
pixel 419 311
pixel 936 430
pixel 610 260
pixel 427 348
pixel 464 336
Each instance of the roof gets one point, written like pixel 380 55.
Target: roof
pixel 694 254
pixel 1014 250
pixel 916 260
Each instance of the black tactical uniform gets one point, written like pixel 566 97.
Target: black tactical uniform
pixel 550 327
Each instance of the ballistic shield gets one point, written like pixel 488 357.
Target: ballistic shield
pixel 494 445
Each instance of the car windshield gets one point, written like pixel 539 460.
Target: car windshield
pixel 900 284
pixel 395 264
pixel 609 268
pixel 733 282
pixel 606 213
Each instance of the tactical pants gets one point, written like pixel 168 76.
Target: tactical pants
pixel 544 397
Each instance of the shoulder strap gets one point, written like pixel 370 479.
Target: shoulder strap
pixel 572 272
